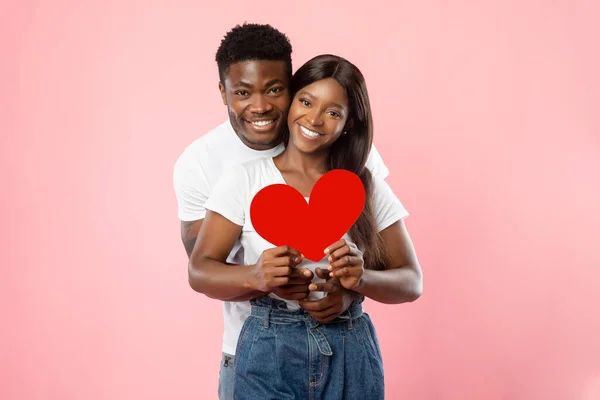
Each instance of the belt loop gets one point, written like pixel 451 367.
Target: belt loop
pixel 267 316
pixel 349 319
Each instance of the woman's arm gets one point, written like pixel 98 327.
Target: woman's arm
pixel 400 281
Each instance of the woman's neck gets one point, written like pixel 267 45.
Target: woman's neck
pixel 292 160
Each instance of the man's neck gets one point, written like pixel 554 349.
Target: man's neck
pixel 258 146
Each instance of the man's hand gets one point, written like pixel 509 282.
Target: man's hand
pixel 274 268
pixel 297 286
pixel 336 301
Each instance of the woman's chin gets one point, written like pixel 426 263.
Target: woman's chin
pixel 307 147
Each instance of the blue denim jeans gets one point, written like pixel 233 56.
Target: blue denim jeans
pixel 285 354
pixel 226 375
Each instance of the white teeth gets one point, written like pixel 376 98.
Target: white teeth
pixel 262 123
pixel 308 132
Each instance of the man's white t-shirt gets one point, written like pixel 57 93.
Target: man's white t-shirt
pixel 197 171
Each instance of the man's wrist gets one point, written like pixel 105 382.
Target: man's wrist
pixel 250 281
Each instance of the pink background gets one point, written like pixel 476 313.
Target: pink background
pixel 485 112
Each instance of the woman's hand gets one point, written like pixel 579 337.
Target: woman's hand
pixel 347 263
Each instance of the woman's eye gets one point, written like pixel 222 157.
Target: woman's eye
pixel 305 103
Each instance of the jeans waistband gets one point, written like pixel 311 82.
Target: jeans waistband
pixel 274 311
pixel 277 312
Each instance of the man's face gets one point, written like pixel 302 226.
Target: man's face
pixel 257 97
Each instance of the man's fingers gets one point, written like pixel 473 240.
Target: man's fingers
pixel 328 318
pixel 299 282
pixel 282 271
pixel 322 313
pixel 284 250
pixel 325 315
pixel 303 274
pixel 327 287
pixel 316 305
pixel 322 273
pixel 293 296
pixel 294 288
pixel 279 281
pixel 282 261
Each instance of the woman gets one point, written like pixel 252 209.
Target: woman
pixel 282 352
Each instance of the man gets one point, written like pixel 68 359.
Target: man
pixel 255 69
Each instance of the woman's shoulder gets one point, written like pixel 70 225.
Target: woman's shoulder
pixel 380 186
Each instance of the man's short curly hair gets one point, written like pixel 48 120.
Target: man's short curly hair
pixel 253 42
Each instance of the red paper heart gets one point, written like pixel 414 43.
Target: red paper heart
pixel 281 215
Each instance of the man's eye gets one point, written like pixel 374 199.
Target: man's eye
pixel 240 93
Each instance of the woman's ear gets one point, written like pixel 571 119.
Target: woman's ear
pixel 349 125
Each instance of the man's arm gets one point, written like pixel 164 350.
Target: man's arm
pixel 189 234
pixel 208 272
pixel 210 275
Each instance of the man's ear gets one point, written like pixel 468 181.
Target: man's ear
pixel 222 90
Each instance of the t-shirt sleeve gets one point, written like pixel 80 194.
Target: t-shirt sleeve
pixel 229 197
pixel 376 165
pixel 191 188
pixel 387 208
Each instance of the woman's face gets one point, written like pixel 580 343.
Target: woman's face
pixel 317 116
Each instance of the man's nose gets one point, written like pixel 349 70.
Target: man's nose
pixel 260 105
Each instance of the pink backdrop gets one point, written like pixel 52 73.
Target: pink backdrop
pixel 484 113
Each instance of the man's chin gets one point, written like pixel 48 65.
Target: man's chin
pixel 266 140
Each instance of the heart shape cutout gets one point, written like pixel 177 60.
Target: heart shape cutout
pixel 281 215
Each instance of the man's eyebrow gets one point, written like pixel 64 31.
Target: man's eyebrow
pixel 273 82
pixel 341 107
pixel 244 84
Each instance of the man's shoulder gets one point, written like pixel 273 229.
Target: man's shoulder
pixel 257 163
pixel 251 168
pixel 207 149
pixel 258 168
pixel 215 138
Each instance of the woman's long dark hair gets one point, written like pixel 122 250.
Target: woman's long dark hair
pixel 350 151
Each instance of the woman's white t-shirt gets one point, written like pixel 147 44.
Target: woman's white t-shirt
pixel 232 195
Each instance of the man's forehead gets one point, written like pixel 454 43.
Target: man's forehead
pixel 257 72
